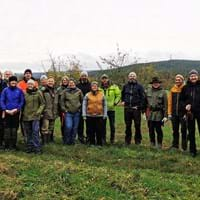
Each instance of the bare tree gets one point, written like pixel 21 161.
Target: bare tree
pixel 120 59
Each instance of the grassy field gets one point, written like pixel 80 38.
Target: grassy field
pixel 109 172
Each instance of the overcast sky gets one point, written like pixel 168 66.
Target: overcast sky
pixel 150 29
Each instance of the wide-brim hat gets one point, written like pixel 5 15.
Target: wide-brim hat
pixel 155 80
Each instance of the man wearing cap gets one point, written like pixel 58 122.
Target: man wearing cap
pixel 190 106
pixel 12 101
pixel 112 94
pixel 156 111
pixel 23 83
pixel 133 99
pixel 175 115
pixel 3 85
pixel 85 86
pixel 94 111
pixel 43 81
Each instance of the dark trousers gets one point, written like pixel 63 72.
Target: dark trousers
pixel 178 121
pixel 111 117
pixel 129 115
pixel 190 123
pixel 95 130
pixel 32 131
pixel 1 129
pixel 10 131
pixel 155 126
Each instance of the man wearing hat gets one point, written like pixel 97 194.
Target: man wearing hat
pixel 156 111
pixel 133 99
pixel 174 113
pixel 190 106
pixel 12 101
pixel 84 85
pixel 112 94
pixel 23 83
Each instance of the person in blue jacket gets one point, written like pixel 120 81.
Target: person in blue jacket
pixel 12 101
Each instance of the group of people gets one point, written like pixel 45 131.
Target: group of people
pixel 34 107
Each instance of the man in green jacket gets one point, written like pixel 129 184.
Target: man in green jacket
pixel 33 108
pixel 113 96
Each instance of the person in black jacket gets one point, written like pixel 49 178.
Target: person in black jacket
pixel 3 85
pixel 85 86
pixel 190 107
pixel 133 99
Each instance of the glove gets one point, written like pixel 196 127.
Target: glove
pixel 169 117
pixel 188 107
pixel 144 117
pixel 164 119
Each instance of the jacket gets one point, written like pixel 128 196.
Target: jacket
pixel 156 104
pixel 3 85
pixel 173 100
pixel 85 87
pixel 94 105
pixel 50 109
pixel 71 100
pixel 12 98
pixel 133 95
pixel 112 95
pixel 190 94
pixel 34 105
pixel 59 92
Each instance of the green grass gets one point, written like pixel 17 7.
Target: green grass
pixel 109 172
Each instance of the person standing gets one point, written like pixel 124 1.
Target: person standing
pixel 32 110
pixel 3 85
pixel 50 111
pixel 84 85
pixel 133 99
pixel 7 74
pixel 43 81
pixel 60 90
pixel 174 113
pixel 156 111
pixel 190 106
pixel 94 111
pixel 12 101
pixel 71 100
pixel 112 94
pixel 27 76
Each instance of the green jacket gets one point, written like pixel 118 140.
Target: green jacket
pixel 59 92
pixel 156 104
pixel 71 100
pixel 50 110
pixel 34 105
pixel 113 96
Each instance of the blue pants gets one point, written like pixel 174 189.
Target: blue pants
pixel 32 131
pixel 71 127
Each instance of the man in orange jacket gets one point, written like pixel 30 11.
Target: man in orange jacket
pixel 23 83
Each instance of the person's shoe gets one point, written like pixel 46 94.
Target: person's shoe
pixel 137 142
pixel 38 151
pixel 159 146
pixel 112 141
pixel 29 150
pixel 81 140
pixel 2 147
pixel 193 154
pixel 152 144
